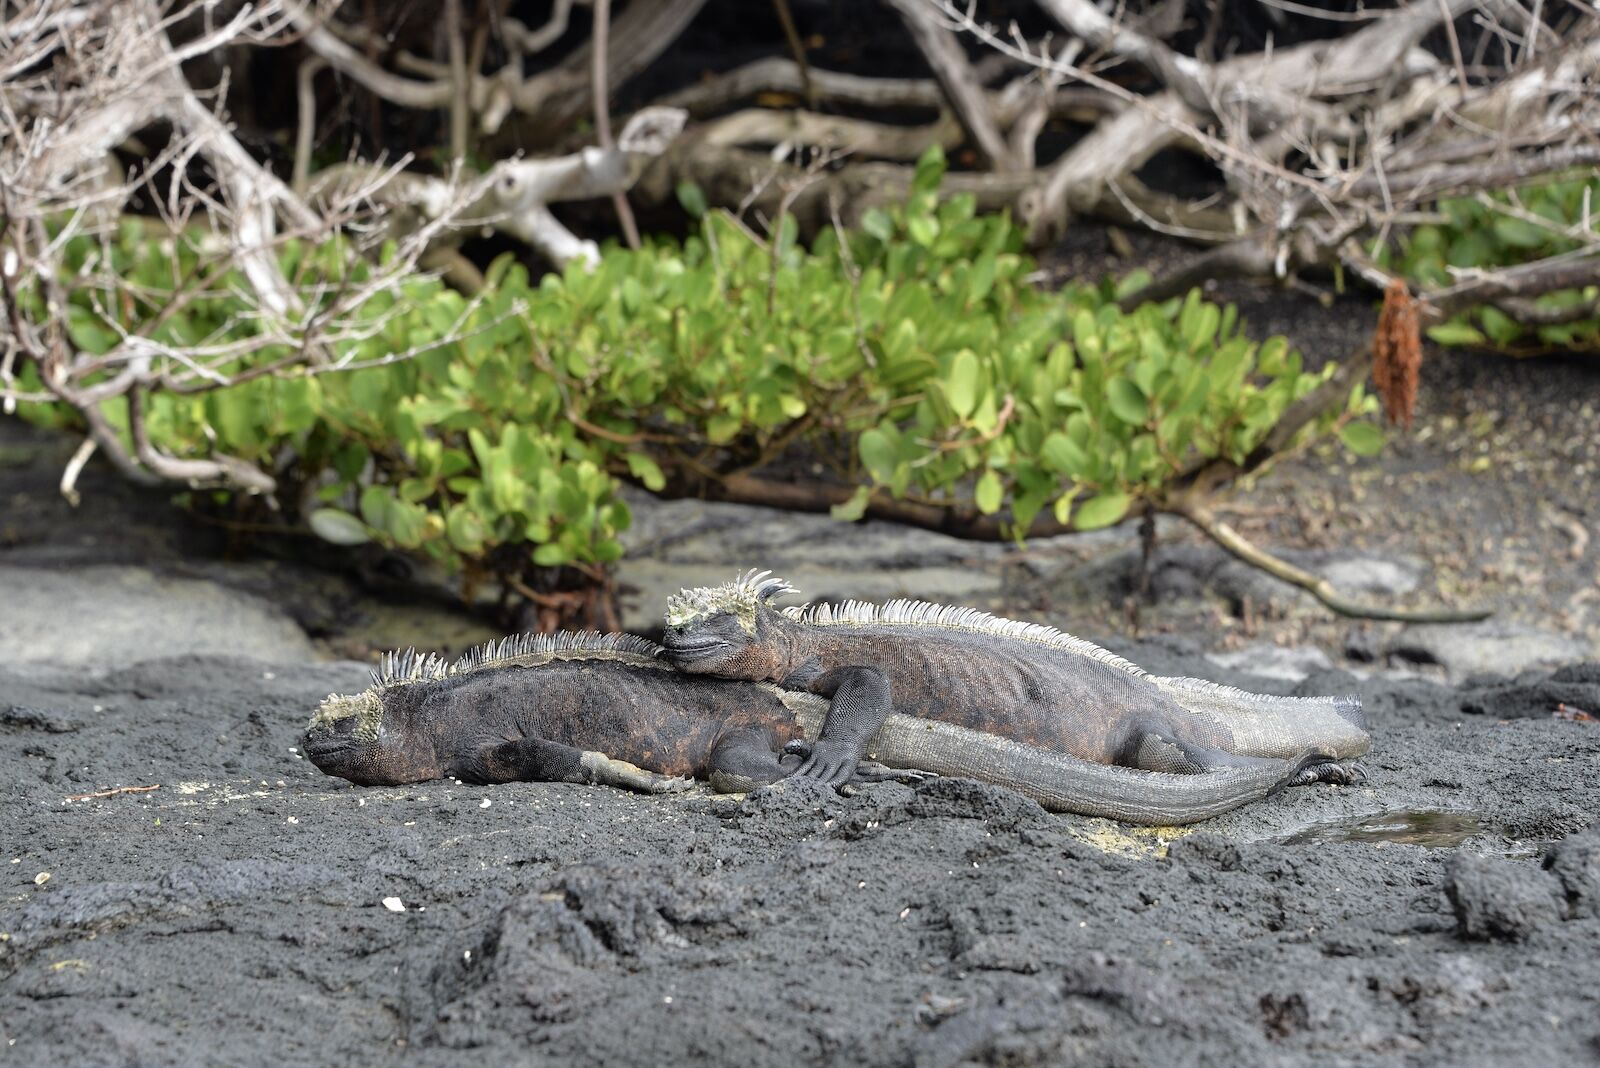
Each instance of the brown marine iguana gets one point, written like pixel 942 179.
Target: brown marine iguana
pixel 1026 682
pixel 594 708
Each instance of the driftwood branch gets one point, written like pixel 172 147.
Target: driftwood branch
pixel 514 195
pixel 602 113
pixel 553 99
pixel 958 80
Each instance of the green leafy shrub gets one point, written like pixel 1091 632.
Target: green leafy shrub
pixel 1499 230
pixel 913 358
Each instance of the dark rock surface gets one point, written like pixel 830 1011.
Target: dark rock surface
pixel 1500 899
pixel 253 912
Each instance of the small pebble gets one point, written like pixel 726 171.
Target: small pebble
pixel 394 904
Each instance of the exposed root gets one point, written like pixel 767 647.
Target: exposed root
pixel 1320 588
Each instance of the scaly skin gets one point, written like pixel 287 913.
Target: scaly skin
pixel 1022 682
pixel 565 708
pixel 605 709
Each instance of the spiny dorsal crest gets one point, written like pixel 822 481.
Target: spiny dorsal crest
pixel 401 668
pixel 741 598
pixel 526 650
pixel 904 613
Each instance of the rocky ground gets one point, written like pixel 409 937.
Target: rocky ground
pixel 250 911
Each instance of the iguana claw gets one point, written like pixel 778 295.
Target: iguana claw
pixel 866 771
pixel 1338 773
pixel 872 771
pixel 831 763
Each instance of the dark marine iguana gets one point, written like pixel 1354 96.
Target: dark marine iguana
pixel 1025 682
pixel 607 709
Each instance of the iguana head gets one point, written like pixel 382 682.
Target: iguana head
pixel 731 630
pixel 371 740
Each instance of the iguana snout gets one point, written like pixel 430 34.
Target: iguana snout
pixel 718 645
pixel 705 645
pixel 347 738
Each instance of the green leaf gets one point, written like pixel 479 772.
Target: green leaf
pixel 550 554
pixel 632 294
pixel 1363 439
pixel 924 229
pixel 878 223
pixel 1457 332
pixel 1024 509
pixel 981 280
pixel 1062 455
pixel 1273 358
pixel 88 332
pixel 338 528
pixel 465 529
pixel 1202 326
pixel 721 429
pixel 692 198
pixel 647 471
pixel 375 506
pixel 1498 325
pixel 855 507
pixel 901 342
pixel 406 523
pixel 878 453
pixel 1127 401
pixel 1102 510
pixel 961 388
pixel 1131 282
pixel 930 171
pixel 1519 233
pixel 989 493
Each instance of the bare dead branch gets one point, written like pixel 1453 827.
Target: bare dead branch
pixel 512 196
pixel 956 77
pixel 776 75
pixel 602 114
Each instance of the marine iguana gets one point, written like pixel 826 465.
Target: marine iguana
pixel 595 708
pixel 1025 682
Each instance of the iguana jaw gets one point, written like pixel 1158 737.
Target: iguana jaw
pixel 719 645
pixel 684 651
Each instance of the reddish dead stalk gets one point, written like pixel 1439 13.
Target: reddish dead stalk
pixel 1397 354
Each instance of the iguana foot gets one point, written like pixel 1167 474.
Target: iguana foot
pixel 609 771
pixel 1339 773
pixel 829 762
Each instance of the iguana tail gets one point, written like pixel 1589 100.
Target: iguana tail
pixel 1272 726
pixel 1064 783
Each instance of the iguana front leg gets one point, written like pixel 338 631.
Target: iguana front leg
pixel 541 760
pixel 860 704
pixel 745 760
